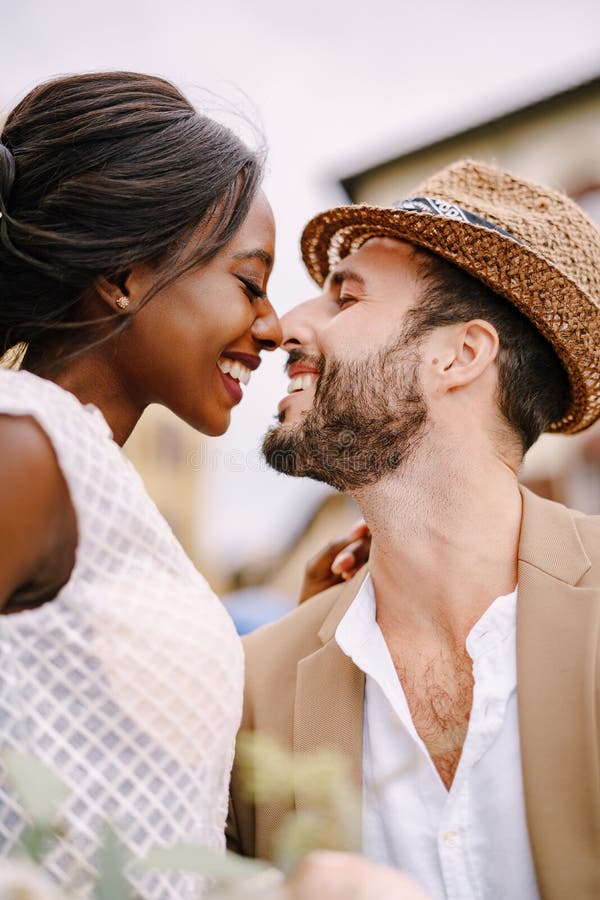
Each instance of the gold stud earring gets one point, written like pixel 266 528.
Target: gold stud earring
pixel 122 302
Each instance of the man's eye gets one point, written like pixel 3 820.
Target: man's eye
pixel 343 301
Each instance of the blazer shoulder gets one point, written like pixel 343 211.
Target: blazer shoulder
pixel 294 635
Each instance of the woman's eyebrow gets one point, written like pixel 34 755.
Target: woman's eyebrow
pixel 255 254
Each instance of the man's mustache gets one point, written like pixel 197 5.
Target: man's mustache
pixel 311 361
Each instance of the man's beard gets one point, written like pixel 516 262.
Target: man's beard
pixel 366 421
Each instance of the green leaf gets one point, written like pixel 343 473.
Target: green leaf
pixel 302 832
pixel 36 841
pixel 222 866
pixel 110 862
pixel 40 790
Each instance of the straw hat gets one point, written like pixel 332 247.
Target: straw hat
pixel 531 245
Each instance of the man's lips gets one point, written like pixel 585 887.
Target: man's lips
pixel 286 401
pixel 300 368
pixel 305 394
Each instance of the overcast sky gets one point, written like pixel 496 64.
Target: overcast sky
pixel 337 85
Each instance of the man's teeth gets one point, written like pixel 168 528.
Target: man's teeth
pixel 302 382
pixel 235 368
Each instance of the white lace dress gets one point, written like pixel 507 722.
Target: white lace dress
pixel 129 683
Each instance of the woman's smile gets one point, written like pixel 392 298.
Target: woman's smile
pixel 235 369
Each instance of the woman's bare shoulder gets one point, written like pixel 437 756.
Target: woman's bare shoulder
pixel 27 455
pixel 34 501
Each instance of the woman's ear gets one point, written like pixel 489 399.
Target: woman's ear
pixel 113 294
pixel 462 353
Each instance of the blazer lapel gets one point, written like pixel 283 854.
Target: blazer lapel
pixel 328 711
pixel 558 628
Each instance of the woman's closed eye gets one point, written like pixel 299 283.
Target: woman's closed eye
pixel 253 290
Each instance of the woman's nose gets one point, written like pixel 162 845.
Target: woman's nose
pixel 267 329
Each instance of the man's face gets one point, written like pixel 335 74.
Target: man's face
pixel 355 410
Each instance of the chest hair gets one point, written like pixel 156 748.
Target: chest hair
pixel 439 693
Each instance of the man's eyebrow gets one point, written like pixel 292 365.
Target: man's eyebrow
pixel 341 275
pixel 255 254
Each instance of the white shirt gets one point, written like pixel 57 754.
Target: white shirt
pixel 471 841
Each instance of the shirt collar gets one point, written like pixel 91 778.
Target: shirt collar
pixel 358 626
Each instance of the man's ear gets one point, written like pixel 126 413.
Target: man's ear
pixel 463 352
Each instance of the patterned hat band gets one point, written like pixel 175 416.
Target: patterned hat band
pixel 432 206
pixel 435 207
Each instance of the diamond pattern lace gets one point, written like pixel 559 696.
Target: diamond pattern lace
pixel 129 683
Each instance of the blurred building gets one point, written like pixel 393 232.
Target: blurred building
pixel 556 141
pixel 282 573
pixel 176 466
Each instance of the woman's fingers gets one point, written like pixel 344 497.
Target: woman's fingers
pixel 352 557
pixel 348 552
pixel 357 539
pixel 336 547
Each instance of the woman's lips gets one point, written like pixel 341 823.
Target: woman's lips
pixel 232 386
pixel 248 359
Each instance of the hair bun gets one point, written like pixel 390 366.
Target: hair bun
pixel 7 174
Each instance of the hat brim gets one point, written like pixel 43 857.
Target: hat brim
pixel 558 308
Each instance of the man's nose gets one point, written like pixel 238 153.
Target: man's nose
pixel 266 329
pixel 300 325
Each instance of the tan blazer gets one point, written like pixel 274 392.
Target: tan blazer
pixel 303 690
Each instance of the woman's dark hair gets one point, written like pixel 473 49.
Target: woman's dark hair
pixel 101 171
pixel 533 386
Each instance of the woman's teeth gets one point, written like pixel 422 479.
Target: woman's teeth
pixel 302 382
pixel 235 368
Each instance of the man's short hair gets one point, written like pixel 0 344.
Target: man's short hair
pixel 533 386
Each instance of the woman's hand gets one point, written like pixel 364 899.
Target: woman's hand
pixel 337 562
pixel 346 876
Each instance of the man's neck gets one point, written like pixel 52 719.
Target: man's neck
pixel 445 540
